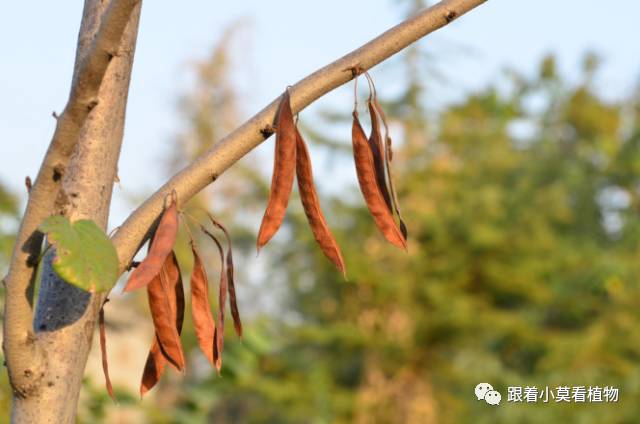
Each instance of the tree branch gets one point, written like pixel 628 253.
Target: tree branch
pixel 24 358
pixel 206 169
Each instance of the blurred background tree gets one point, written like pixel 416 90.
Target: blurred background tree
pixel 522 202
pixel 8 222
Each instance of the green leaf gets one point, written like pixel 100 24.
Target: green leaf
pixel 85 256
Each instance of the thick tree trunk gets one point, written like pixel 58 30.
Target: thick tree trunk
pixel 65 316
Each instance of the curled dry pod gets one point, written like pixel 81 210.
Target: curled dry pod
pixel 160 291
pixel 233 302
pixel 235 313
pixel 157 358
pixel 373 197
pixel 375 143
pixel 103 350
pixel 222 300
pixel 388 158
pixel 311 205
pixel 283 172
pixel 203 321
pixel 161 246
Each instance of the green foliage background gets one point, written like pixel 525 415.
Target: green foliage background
pixel 522 206
pixel 522 203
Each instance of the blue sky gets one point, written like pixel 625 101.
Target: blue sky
pixel 285 43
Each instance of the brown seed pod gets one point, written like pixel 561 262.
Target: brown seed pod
pixel 203 321
pixel 103 350
pixel 163 311
pixel 365 169
pixel 235 313
pixel 161 246
pixel 283 172
pixel 311 205
pixel 157 358
pixel 222 300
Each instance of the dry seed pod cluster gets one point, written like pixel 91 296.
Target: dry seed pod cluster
pixel 166 303
pixel 292 156
pixel 160 273
pixel 372 158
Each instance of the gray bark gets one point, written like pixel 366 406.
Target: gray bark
pixel 24 357
pixel 65 315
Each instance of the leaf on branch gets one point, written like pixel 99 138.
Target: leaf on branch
pixel 85 256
